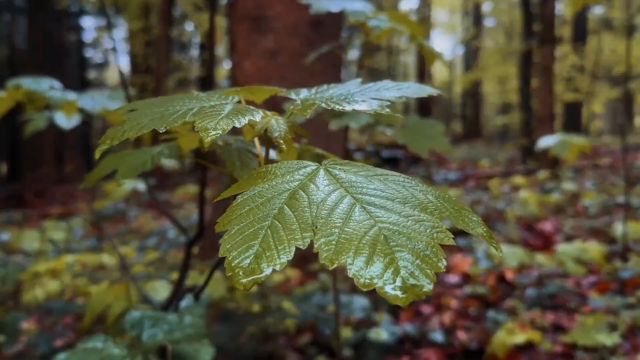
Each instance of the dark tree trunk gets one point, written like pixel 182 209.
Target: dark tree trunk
pixel 545 90
pixel 51 46
pixel 572 121
pixel 208 50
pixel 525 74
pixel 270 40
pixel 472 94
pixel 163 47
pixel 425 105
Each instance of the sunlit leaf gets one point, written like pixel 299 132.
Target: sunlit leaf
pixel 566 147
pixel 96 101
pixel 335 6
pixel 35 83
pixel 386 228
pixel 67 116
pixel 212 115
pixel 355 96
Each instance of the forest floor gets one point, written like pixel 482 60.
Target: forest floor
pixel 567 287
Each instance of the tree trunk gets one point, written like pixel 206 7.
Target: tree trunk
pixel 51 46
pixel 163 47
pixel 545 90
pixel 572 121
pixel 472 94
pixel 425 105
pixel 207 79
pixel 270 40
pixel 525 74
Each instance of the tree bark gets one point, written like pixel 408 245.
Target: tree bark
pixel 472 94
pixel 270 40
pixel 525 74
pixel 163 47
pixel 572 121
pixel 545 72
pixel 425 105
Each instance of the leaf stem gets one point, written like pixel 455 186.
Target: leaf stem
pixel 256 141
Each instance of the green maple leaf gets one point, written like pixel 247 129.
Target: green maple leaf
pixel 211 113
pixel 385 228
pixel 238 155
pixel 131 163
pixel 355 96
pixel 423 136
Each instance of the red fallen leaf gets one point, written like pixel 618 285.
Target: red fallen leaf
pixel 631 285
pixel 605 287
pixel 542 235
pixel 460 263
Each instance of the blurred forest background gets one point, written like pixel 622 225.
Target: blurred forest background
pixel 534 128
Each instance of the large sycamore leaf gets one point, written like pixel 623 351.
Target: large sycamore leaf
pixel 355 96
pixel 130 163
pixel 385 228
pixel 212 115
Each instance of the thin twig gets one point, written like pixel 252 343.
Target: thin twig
pixel 126 271
pixel 198 292
pixel 337 336
pixel 165 212
pixel 177 292
pixel 256 141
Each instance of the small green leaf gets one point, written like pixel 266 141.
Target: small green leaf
pixel 351 120
pixel 355 96
pixel 35 83
pixel 98 347
pixel 255 93
pixel 131 163
pixel 154 328
pixel 423 136
pixel 211 113
pixel 238 155
pixel 96 101
pixel 566 147
pixel 35 122
pixel 513 334
pixel 595 330
pixel 196 350
pixel 386 228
